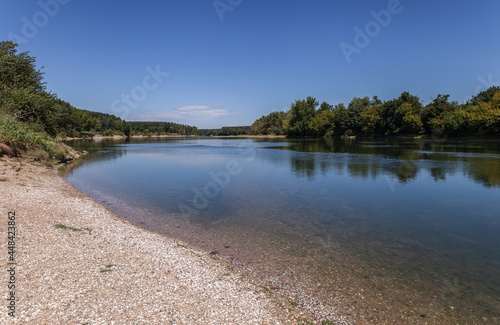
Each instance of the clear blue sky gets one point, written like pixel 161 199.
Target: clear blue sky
pixel 259 58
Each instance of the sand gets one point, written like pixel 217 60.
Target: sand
pixel 76 262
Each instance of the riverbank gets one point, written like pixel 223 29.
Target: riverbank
pixel 122 137
pixel 79 263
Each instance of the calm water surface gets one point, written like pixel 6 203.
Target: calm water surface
pixel 415 223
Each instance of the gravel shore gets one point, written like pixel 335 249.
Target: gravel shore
pixel 78 263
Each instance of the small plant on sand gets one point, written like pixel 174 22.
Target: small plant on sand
pixel 61 226
pixel 64 227
pixel 108 268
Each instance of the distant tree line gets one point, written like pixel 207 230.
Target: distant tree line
pixel 225 131
pixel 159 128
pixel 405 115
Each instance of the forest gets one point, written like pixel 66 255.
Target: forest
pixel 226 131
pixel 402 116
pixel 159 128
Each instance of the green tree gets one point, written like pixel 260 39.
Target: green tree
pixel 18 70
pixel 370 120
pixel 322 123
pixel 375 101
pixel 485 96
pixel 269 124
pixel 301 112
pixel 340 119
pixel 410 122
pixel 356 107
pixel 434 109
pixel 325 107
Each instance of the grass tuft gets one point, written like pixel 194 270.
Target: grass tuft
pixel 108 268
pixel 61 226
pixel 64 227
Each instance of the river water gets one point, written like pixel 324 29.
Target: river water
pixel 384 231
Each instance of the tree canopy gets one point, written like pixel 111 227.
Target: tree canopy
pixel 404 115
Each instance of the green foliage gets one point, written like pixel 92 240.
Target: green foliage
pixel 325 107
pixel 272 124
pixel 410 122
pixel 226 131
pixel 404 115
pixel 355 110
pixel 301 112
pixel 340 120
pixel 159 128
pixel 371 120
pixel 485 96
pixel 437 107
pixel 22 137
pixel 322 123
pixel 18 70
pixel 64 227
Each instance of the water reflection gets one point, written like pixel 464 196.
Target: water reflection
pixel 404 160
pixel 98 151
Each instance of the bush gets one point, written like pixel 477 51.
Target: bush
pixel 21 137
pixel 38 155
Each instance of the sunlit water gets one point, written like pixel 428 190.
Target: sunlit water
pixel 415 223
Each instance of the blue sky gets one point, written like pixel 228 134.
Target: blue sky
pixel 196 63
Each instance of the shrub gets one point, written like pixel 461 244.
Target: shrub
pixel 18 137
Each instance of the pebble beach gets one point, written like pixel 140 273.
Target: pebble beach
pixel 75 262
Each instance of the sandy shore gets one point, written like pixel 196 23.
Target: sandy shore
pixel 78 263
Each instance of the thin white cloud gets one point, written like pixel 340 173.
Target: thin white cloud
pixel 190 112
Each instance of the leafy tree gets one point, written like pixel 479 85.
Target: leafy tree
pixel 356 107
pixel 340 119
pixel 485 96
pixel 269 124
pixel 438 105
pixel 322 123
pixel 410 122
pixel 375 101
pixel 484 118
pixel 301 113
pixel 371 120
pixel 325 107
pixel 18 70
pixel 391 122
